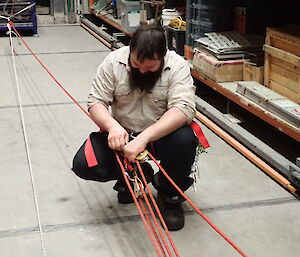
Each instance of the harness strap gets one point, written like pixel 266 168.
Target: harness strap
pixel 199 134
pixel 90 154
pixel 92 160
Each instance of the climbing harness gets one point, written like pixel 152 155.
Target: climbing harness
pixel 136 175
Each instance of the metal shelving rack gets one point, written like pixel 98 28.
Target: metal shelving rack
pixel 23 20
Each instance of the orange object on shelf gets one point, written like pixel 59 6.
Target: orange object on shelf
pixel 188 52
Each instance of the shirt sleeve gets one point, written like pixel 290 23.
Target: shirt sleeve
pixel 103 85
pixel 182 90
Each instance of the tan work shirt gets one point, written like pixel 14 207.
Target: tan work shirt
pixel 135 109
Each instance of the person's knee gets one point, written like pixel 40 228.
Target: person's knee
pixel 80 172
pixel 184 138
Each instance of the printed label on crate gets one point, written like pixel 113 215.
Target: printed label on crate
pixel 134 18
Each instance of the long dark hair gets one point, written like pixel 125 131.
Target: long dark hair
pixel 148 42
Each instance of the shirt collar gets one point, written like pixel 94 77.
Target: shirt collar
pixel 124 59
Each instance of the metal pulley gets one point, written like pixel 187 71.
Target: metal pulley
pixel 142 157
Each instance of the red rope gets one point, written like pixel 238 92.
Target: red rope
pixel 151 225
pixel 152 213
pixel 138 206
pixel 46 69
pixel 157 210
pixel 125 177
pixel 196 208
pixel 75 101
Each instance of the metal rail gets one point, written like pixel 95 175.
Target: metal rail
pixel 114 43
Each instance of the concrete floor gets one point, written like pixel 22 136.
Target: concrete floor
pixel 81 218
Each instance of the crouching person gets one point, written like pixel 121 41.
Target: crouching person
pixel 152 98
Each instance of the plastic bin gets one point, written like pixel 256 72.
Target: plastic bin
pixel 207 16
pixel 176 39
pixel 130 15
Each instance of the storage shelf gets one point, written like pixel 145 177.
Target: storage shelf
pixel 108 18
pixel 227 89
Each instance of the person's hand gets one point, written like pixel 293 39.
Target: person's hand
pixel 134 147
pixel 117 138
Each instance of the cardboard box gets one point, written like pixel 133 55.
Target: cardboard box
pixel 220 71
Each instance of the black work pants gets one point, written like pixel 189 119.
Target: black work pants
pixel 176 151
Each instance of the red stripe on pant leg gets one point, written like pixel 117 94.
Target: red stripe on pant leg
pixel 90 154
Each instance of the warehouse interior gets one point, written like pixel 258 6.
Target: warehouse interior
pixel 244 57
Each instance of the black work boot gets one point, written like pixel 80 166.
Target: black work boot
pixel 170 201
pixel 124 196
pixel 171 210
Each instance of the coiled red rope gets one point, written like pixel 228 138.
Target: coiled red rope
pixel 158 246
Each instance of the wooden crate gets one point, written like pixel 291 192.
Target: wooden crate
pixel 285 38
pixel 282 72
pixel 253 73
pixel 219 71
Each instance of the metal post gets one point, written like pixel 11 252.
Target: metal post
pixel 58 10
